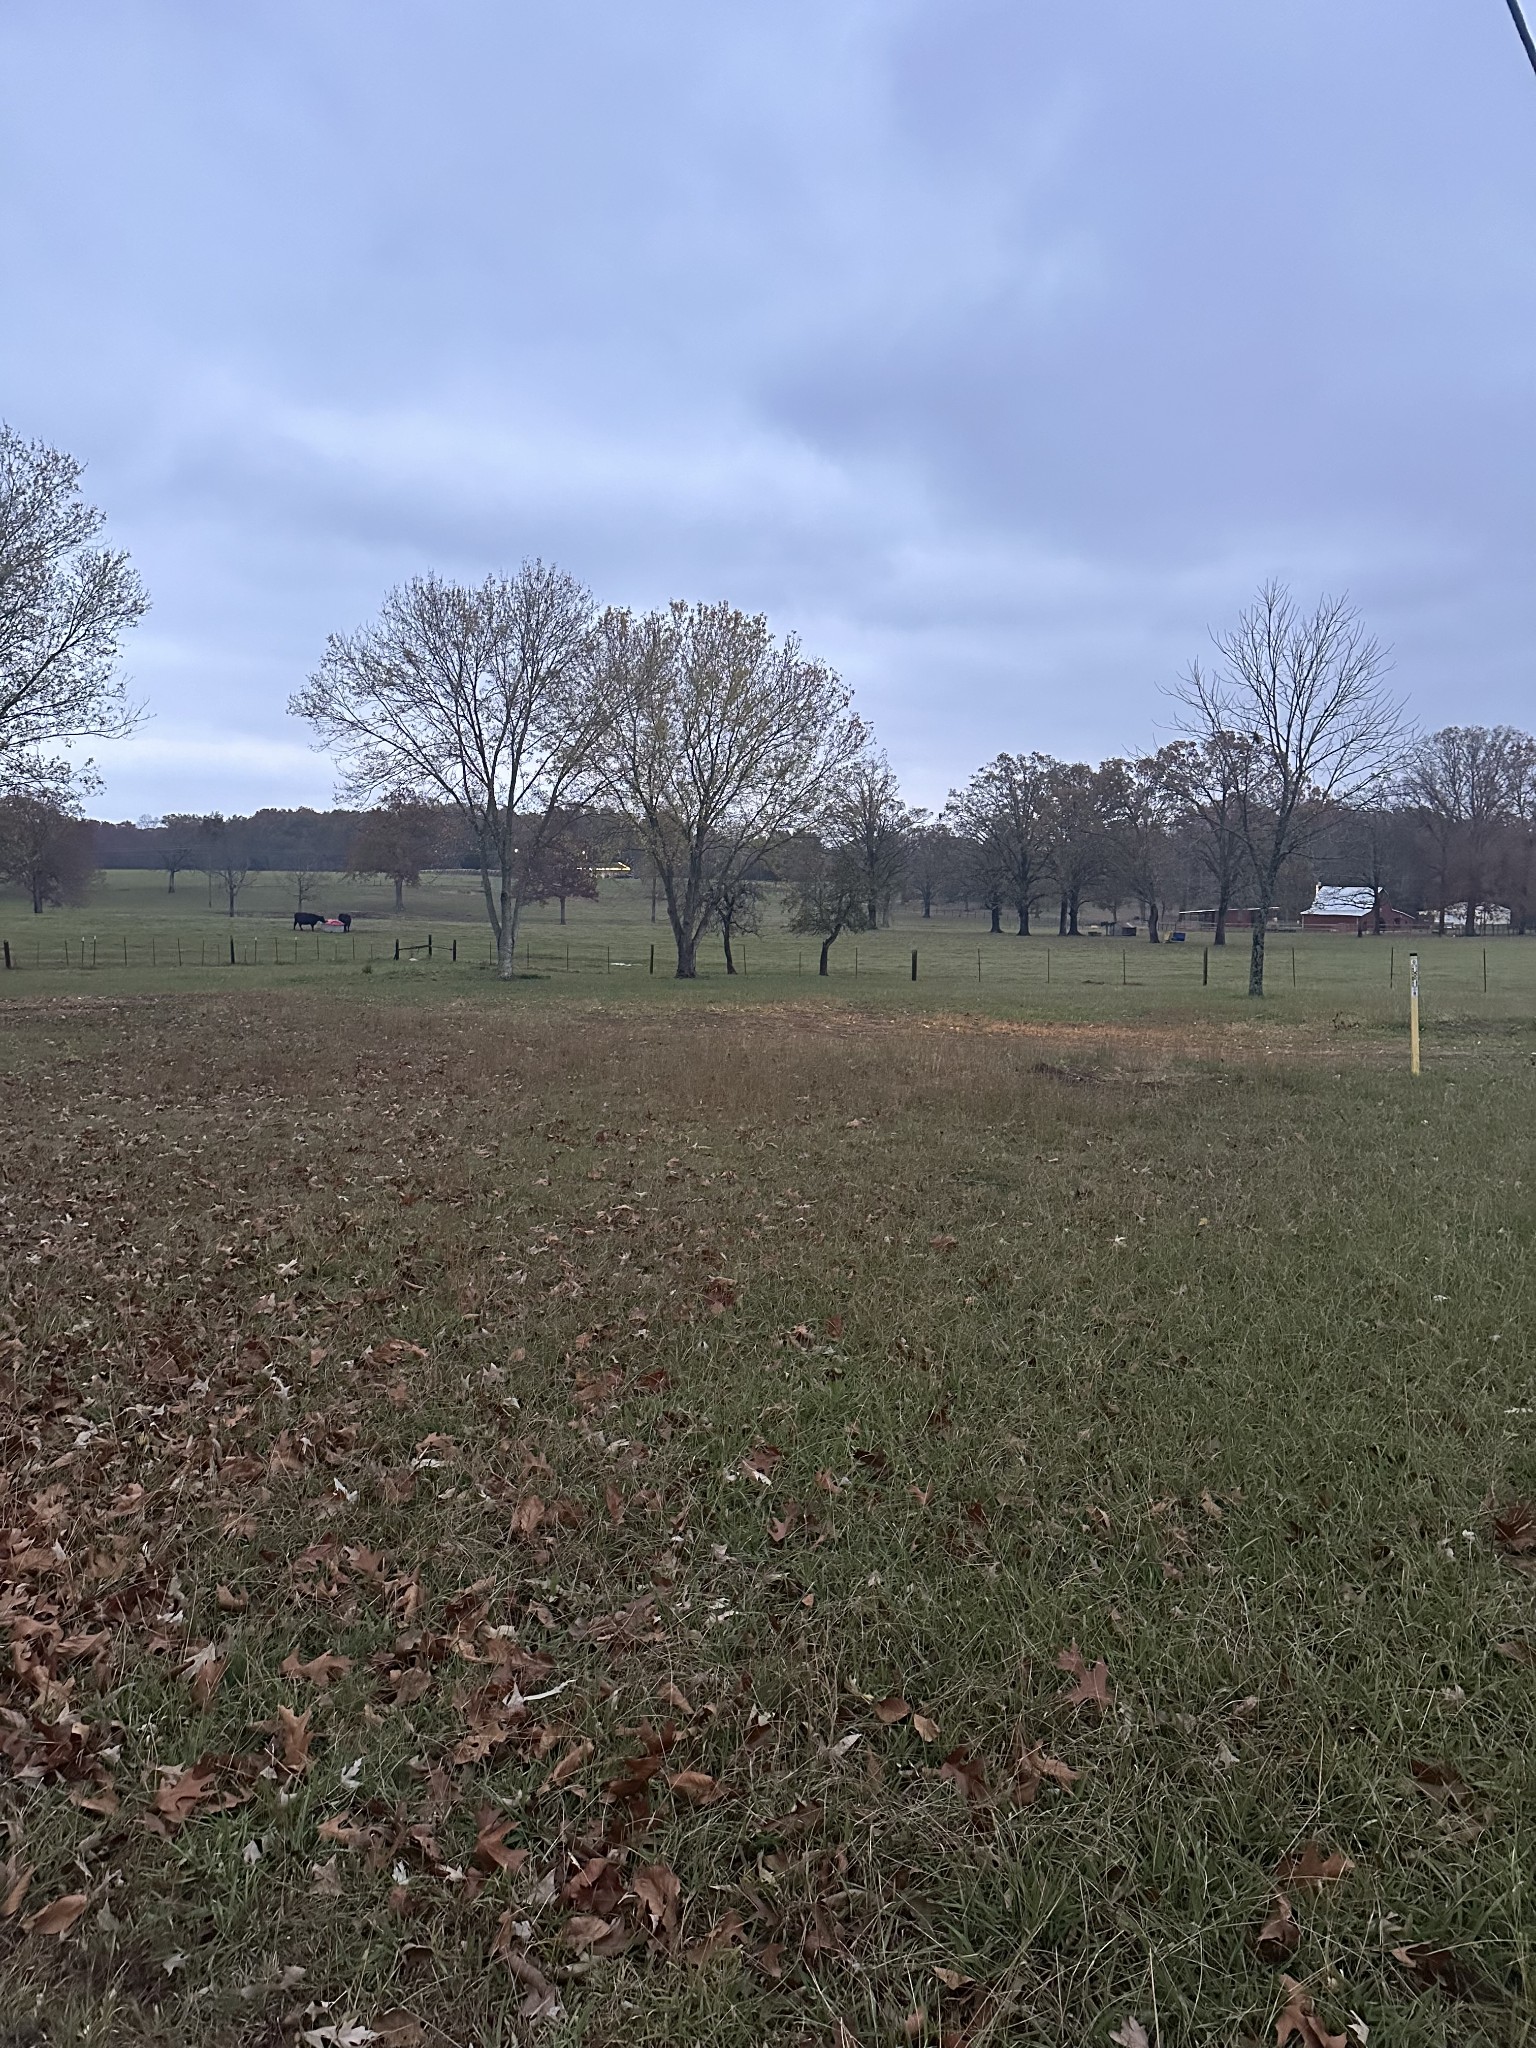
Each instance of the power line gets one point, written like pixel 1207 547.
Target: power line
pixel 1517 14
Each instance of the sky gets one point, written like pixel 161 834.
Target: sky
pixel 997 348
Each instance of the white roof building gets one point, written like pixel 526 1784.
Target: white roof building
pixel 1341 903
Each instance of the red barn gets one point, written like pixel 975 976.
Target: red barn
pixel 1353 911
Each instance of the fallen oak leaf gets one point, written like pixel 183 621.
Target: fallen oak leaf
pixel 585 1930
pixel 1431 1964
pixel 571 1762
pixel 57 1917
pixel 1298 2019
pixel 1312 1866
pixel 16 1879
pixel 184 1792
pixel 1279 1935
pixel 725 1933
pixel 927 1730
pixel 1131 2034
pixel 323 1670
pixel 1440 1781
pixel 490 1851
pixel 891 1710
pixel 1517 1652
pixel 293 1733
pixel 694 1788
pixel 659 1892
pixel 1090 1683
pixel 1035 1769
pixel 965 1773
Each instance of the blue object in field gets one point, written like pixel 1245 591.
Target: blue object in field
pixel 1177 938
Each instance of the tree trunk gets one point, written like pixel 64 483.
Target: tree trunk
pixel 1470 929
pixel 927 900
pixel 1440 925
pixel 826 947
pixel 997 917
pixel 1223 904
pixel 37 895
pixel 1023 920
pixel 562 910
pixel 1256 951
pixel 653 898
pixel 725 933
pixel 503 910
pixel 1154 937
pixel 170 886
pixel 231 888
pixel 687 956
pixel 1074 905
pixel 1062 920
pixel 399 894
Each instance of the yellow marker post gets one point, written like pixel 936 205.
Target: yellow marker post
pixel 1413 1013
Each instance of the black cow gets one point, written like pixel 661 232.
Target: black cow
pixel 306 920
pixel 344 919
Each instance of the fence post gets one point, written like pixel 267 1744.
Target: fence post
pixel 453 949
pixel 1391 965
pixel 1205 966
pixel 914 963
pixel 1413 1013
pixel 1293 967
pixel 855 963
pixel 7 956
pixel 1047 966
pixel 608 951
pixel 1485 960
pixel 397 949
pixel 1485 970
pixel 178 952
pixel 231 952
pixel 978 963
pixel 653 959
pixel 1122 967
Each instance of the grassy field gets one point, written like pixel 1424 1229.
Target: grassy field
pixel 133 935
pixel 598 1512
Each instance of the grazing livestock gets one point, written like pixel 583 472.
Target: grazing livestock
pixel 306 920
pixel 340 923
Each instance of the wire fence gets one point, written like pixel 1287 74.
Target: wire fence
pixel 888 958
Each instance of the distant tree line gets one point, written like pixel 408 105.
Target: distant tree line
pixel 518 729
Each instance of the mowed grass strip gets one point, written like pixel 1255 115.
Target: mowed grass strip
pixel 583 1524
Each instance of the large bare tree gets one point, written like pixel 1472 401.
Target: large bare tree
pixel 1298 703
pixel 64 608
pixel 721 743
pixel 478 696
pixel 1203 780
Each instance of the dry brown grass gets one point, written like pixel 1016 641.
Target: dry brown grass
pixel 634 1401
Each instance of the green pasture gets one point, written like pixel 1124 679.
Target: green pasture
pixel 132 933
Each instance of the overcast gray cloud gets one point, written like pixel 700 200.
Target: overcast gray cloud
pixel 998 347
